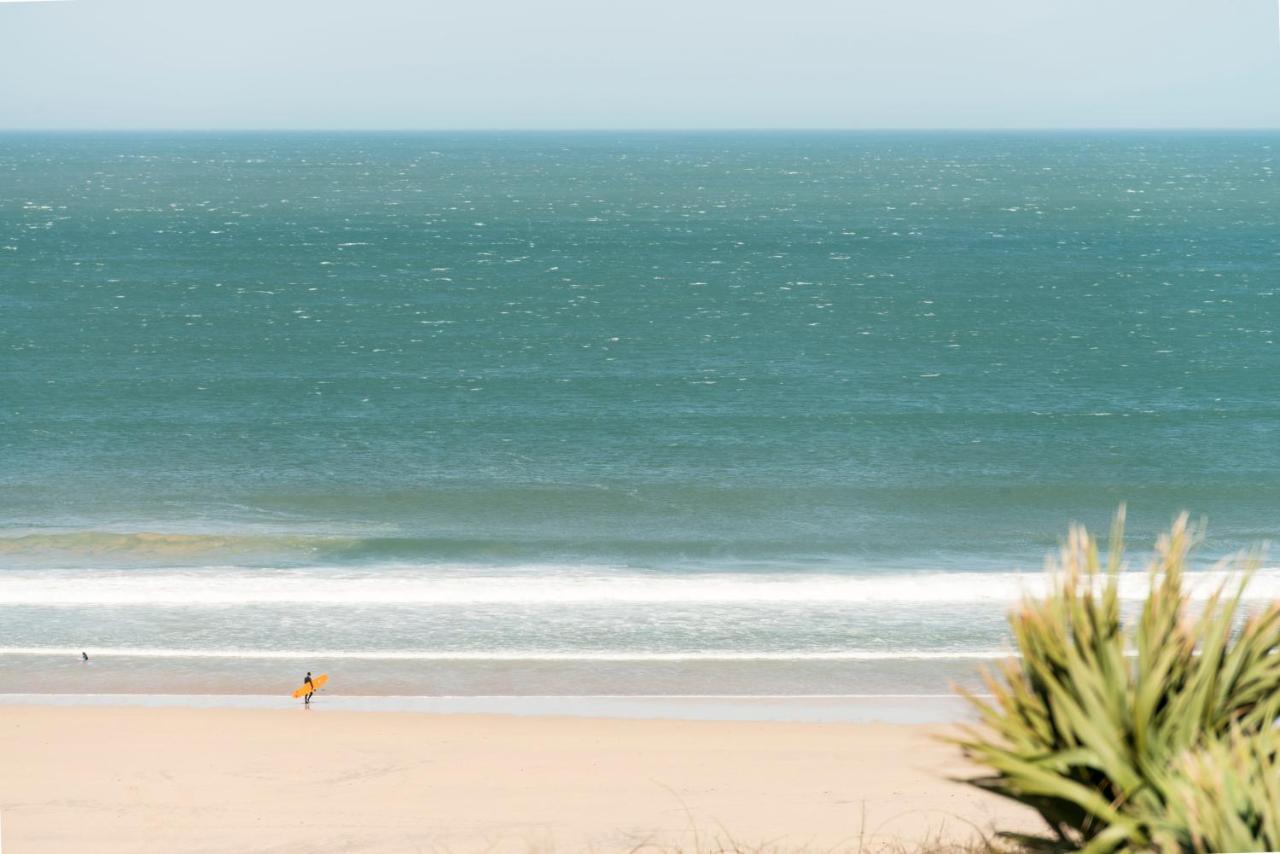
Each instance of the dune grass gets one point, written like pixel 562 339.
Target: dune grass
pixel 1154 734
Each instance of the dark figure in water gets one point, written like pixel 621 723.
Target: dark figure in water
pixel 84 655
pixel 306 701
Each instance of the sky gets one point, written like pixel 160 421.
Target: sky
pixel 638 64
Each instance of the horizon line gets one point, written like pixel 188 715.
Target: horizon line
pixel 673 129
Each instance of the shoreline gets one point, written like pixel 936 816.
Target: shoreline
pixel 116 779
pixel 901 709
pixel 102 674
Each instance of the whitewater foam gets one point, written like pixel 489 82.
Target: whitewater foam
pixel 442 586
pixel 515 656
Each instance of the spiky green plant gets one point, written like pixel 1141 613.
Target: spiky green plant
pixel 1222 796
pixel 1092 725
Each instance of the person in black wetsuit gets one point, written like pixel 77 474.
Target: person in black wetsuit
pixel 311 686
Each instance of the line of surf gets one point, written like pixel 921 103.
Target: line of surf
pixel 513 655
pixel 427 586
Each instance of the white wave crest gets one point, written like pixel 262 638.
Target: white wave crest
pixel 514 656
pixel 444 586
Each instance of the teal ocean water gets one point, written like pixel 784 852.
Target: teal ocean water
pixel 609 413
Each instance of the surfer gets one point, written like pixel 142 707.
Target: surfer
pixel 311 689
pixel 84 655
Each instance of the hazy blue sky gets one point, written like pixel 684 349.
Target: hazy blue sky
pixel 650 64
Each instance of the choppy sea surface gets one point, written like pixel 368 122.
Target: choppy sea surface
pixel 593 413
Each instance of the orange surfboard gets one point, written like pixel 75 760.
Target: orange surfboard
pixel 318 681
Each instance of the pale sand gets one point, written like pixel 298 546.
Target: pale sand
pixel 106 779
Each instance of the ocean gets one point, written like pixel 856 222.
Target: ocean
pixel 769 414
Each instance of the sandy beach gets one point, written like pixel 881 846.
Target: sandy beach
pixel 114 779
